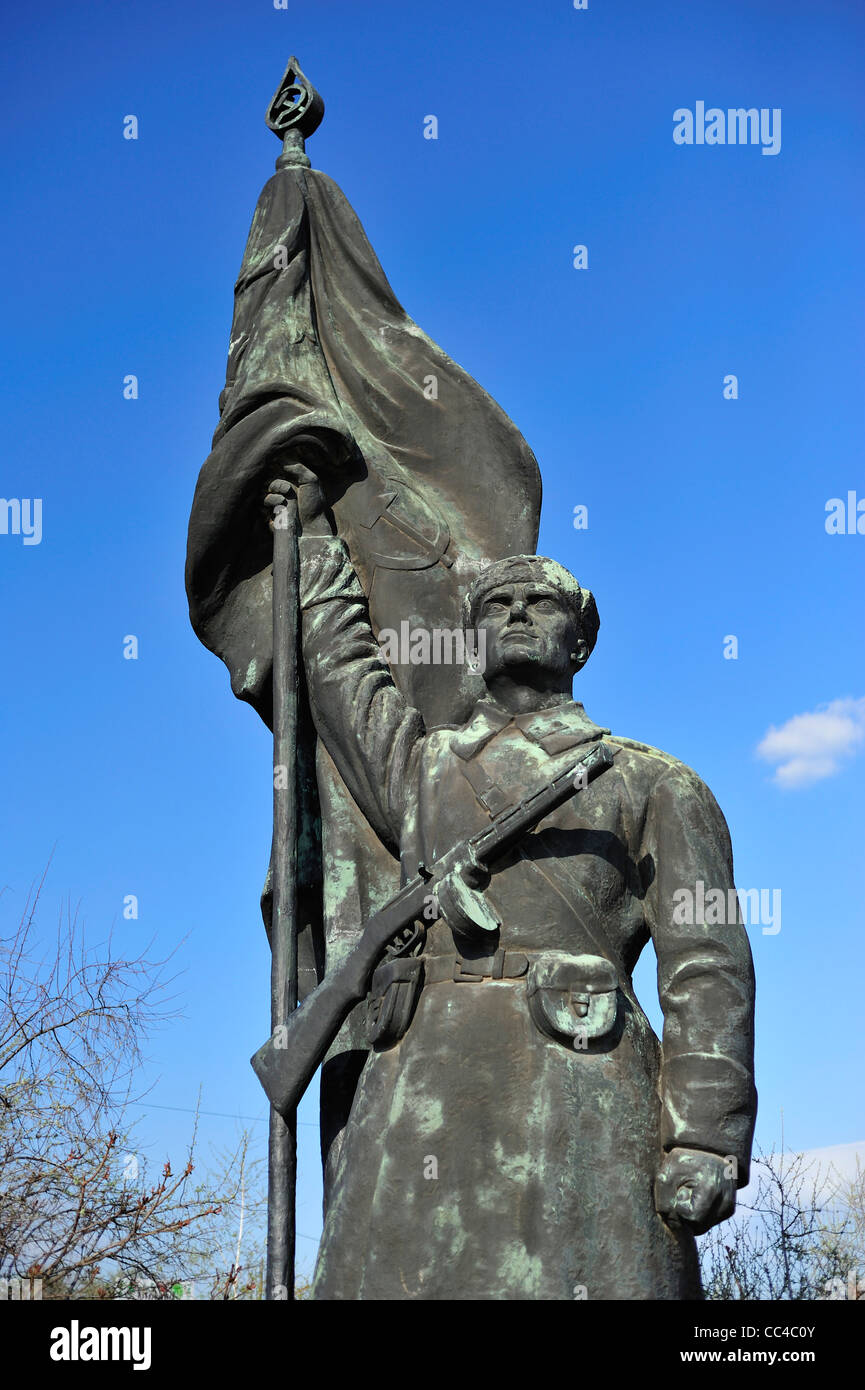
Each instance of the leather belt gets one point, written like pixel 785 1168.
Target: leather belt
pixel 504 965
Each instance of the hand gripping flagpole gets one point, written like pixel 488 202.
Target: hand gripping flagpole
pixel 294 112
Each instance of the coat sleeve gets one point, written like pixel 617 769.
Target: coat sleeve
pixel 373 735
pixel 705 973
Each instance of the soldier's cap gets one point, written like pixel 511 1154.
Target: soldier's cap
pixel 527 569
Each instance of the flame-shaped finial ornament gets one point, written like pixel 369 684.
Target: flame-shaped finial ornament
pixel 296 104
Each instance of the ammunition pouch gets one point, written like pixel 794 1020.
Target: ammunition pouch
pixel 573 999
pixel 393 994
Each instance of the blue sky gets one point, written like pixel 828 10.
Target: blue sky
pixel 706 515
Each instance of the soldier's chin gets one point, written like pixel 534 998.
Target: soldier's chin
pixel 521 653
pixel 517 663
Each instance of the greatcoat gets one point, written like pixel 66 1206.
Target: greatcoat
pixel 485 1158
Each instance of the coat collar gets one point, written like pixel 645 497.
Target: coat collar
pixel 555 729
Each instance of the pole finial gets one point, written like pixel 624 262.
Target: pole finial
pixel 296 105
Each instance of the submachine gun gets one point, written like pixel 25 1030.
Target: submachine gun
pixel 287 1062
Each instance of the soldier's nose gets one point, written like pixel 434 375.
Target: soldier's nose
pixel 518 613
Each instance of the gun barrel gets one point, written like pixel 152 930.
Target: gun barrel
pixel 509 827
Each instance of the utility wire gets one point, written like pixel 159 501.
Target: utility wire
pixel 222 1115
pixel 219 1114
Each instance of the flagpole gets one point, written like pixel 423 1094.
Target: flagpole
pixel 294 113
pixel 282 1147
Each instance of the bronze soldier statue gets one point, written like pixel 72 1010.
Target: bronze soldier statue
pixel 499 1120
pixel 517 1131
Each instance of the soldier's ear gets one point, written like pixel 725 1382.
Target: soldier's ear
pixel 580 654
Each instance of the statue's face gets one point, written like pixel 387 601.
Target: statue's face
pixel 529 627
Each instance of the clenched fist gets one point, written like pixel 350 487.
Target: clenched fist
pixel 695 1188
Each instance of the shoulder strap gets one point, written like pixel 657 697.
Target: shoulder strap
pixel 491 796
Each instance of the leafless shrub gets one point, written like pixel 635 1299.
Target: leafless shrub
pixel 799 1238
pixel 78 1209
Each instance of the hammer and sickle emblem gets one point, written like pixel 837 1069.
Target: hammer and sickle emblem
pixel 414 535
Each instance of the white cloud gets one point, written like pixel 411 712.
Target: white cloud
pixel 826 1172
pixel 812 746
